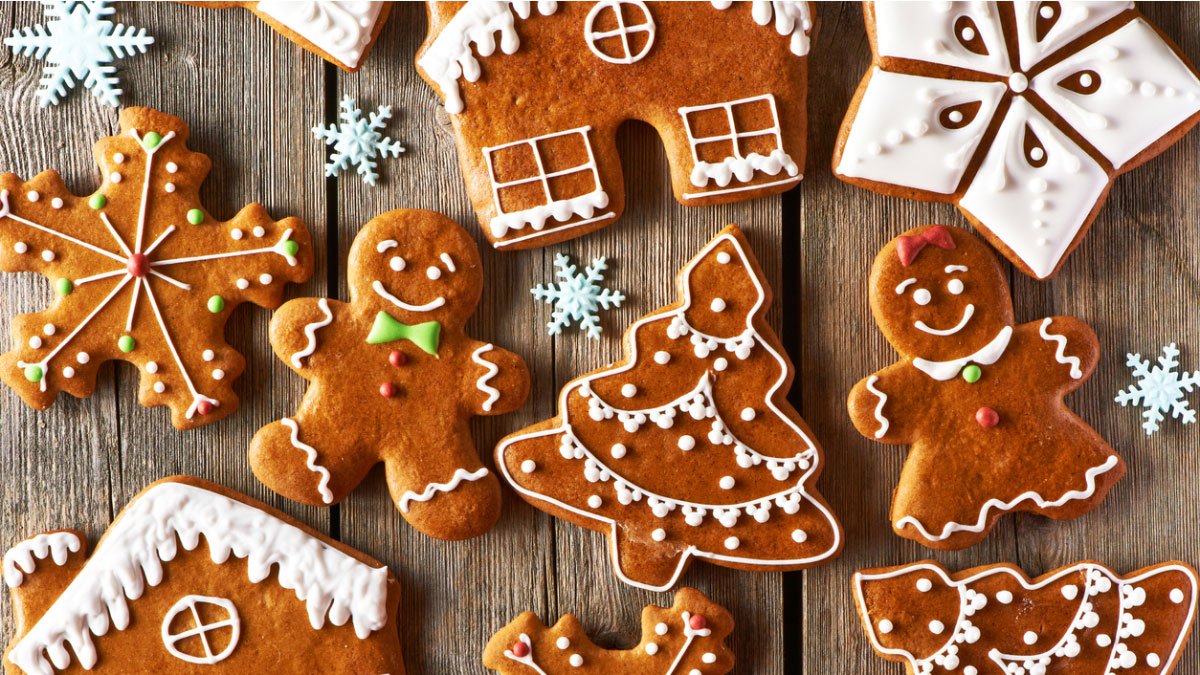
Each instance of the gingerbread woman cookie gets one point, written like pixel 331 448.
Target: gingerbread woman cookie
pixel 143 274
pixel 1083 619
pixel 979 398
pixel 394 380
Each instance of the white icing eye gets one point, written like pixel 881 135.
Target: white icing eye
pixel 922 297
pixel 433 273
pixel 396 263
pixel 955 286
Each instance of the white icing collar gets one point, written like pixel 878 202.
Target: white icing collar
pixel 989 354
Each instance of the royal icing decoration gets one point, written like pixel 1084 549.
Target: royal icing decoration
pixel 1036 187
pixel 358 142
pixel 310 332
pixel 190 609
pixel 23 558
pixel 1083 618
pixel 970 378
pixel 577 296
pixel 460 476
pixel 669 415
pixel 310 455
pixel 343 29
pixel 1160 389
pixel 144 275
pixel 491 370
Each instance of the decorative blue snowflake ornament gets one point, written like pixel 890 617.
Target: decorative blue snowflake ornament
pixel 76 43
pixel 1160 389
pixel 357 141
pixel 577 297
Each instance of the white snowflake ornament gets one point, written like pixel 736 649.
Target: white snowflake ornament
pixel 578 297
pixel 77 43
pixel 1160 389
pixel 357 141
pixel 1028 145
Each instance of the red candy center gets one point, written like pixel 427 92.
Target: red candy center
pixel 387 390
pixel 520 650
pixel 697 622
pixel 397 358
pixel 139 265
pixel 204 407
pixel 987 418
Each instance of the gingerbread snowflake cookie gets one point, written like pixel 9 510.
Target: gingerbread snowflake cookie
pixel 537 91
pixel 1021 114
pixel 978 397
pixel 394 380
pixel 143 274
pixel 1082 619
pixel 193 575
pixel 688 448
pixel 687 637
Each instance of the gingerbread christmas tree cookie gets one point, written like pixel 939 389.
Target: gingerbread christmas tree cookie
pixel 192 577
pixel 687 637
pixel 394 380
pixel 978 397
pixel 142 272
pixel 687 448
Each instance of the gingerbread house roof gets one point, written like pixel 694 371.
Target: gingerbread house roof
pixel 130 557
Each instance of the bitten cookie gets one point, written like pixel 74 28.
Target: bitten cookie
pixel 394 380
pixel 1083 619
pixel 723 83
pixel 340 31
pixel 979 399
pixel 687 637
pixel 688 448
pixel 191 574
pixel 1021 114
pixel 143 274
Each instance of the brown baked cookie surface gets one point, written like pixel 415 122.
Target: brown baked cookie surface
pixel 142 273
pixel 193 577
pixel 687 637
pixel 394 379
pixel 688 448
pixel 1021 114
pixel 978 397
pixel 537 91
pixel 1083 619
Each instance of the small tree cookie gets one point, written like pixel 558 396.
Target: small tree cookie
pixel 394 380
pixel 979 399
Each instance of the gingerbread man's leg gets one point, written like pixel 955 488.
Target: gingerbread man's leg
pixel 312 463
pixel 440 485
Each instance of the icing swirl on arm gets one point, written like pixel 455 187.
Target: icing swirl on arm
pixel 481 384
pixel 883 421
pixel 1060 352
pixel 311 331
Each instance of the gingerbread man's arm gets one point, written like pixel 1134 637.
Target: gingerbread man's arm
pixel 296 330
pixel 1071 350
pixel 876 410
pixel 495 382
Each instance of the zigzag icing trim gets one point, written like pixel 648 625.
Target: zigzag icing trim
pixel 310 454
pixel 1060 352
pixel 310 331
pixel 460 476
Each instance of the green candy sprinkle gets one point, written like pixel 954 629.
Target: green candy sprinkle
pixel 127 343
pixel 972 373
pixel 216 304
pixel 97 201
pixel 151 140
pixel 34 373
pixel 64 287
pixel 195 216
pixel 291 247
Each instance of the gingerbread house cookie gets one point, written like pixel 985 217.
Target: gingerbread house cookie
pixel 1022 114
pixel 536 92
pixel 192 575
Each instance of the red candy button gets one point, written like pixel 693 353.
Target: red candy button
pixel 987 417
pixel 138 265
pixel 397 358
pixel 697 622
pixel 387 390
pixel 204 407
pixel 520 650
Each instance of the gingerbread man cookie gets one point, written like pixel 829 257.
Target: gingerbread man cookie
pixel 1083 619
pixel 394 380
pixel 979 398
pixel 143 274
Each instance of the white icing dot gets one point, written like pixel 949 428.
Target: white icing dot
pixel 922 296
pixel 1030 637
pixel 732 543
pixel 82 357
pixel 1038 186
pixel 243 284
pixel 35 342
pixel 118 158
pixel 172 167
pixel 723 258
pixel 718 305
pixel 32 196
pixel 955 286
pixel 709 657
pixel 159 387
pixel 618 450
pixel 21 247
pixel 152 367
pixel 48 256
pixel 396 263
pixel 1018 82
pixel 1176 596
pixel 528 466
pixel 662 358
pixel 1004 597
pixel 799 536
pixel 720 364
pixel 968 33
pixel 49 329
pixel 1152 660
pixel 660 629
pixel 433 273
pixel 936 627
pixel 594 501
pixel 576 660
pixel 628 390
pixel 895 136
pixel 924 585
pixel 955 116
pixel 1046 11
pixel 727 482
pixel 208 355
pixel 651 648
pixel 658 534
pixel 1103 640
pixel 686 442
pixel 114 177
pixel 258 231
pixel 265 279
pixel 970 670
pixel 68 372
pixel 218 374
pixel 236 234
pixel 563 642
pixel 748 414
pixel 169 187
pixel 885 626
pixel 1070 591
pixel 56 203
pixel 1085 80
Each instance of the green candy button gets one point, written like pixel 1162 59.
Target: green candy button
pixel 97 201
pixel 195 216
pixel 64 287
pixel 127 343
pixel 34 373
pixel 151 140
pixel 291 247
pixel 972 373
pixel 216 304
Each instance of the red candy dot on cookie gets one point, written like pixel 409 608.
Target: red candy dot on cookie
pixel 520 650
pixel 987 417
pixel 397 358
pixel 138 265
pixel 204 407
pixel 387 390
pixel 697 622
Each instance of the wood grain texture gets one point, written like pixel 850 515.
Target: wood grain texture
pixel 251 97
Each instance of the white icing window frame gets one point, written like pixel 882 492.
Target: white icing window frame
pixel 734 137
pixel 188 603
pixel 590 36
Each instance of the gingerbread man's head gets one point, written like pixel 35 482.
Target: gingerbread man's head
pixel 417 266
pixel 938 293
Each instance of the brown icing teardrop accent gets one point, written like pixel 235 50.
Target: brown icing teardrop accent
pixel 1044 22
pixel 967 34
pixel 1084 82
pixel 1035 152
pixel 959 116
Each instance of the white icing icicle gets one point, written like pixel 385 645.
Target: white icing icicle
pixel 561 210
pixel 743 168
pixel 340 28
pixel 791 17
pixel 22 558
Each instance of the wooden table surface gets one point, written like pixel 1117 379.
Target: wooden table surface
pixel 251 98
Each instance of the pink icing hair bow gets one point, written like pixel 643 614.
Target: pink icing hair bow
pixel 909 246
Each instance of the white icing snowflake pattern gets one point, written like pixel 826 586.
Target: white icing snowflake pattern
pixel 578 297
pixel 1039 178
pixel 357 141
pixel 1160 388
pixel 77 43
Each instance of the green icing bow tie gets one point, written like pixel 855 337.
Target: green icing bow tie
pixel 387 329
